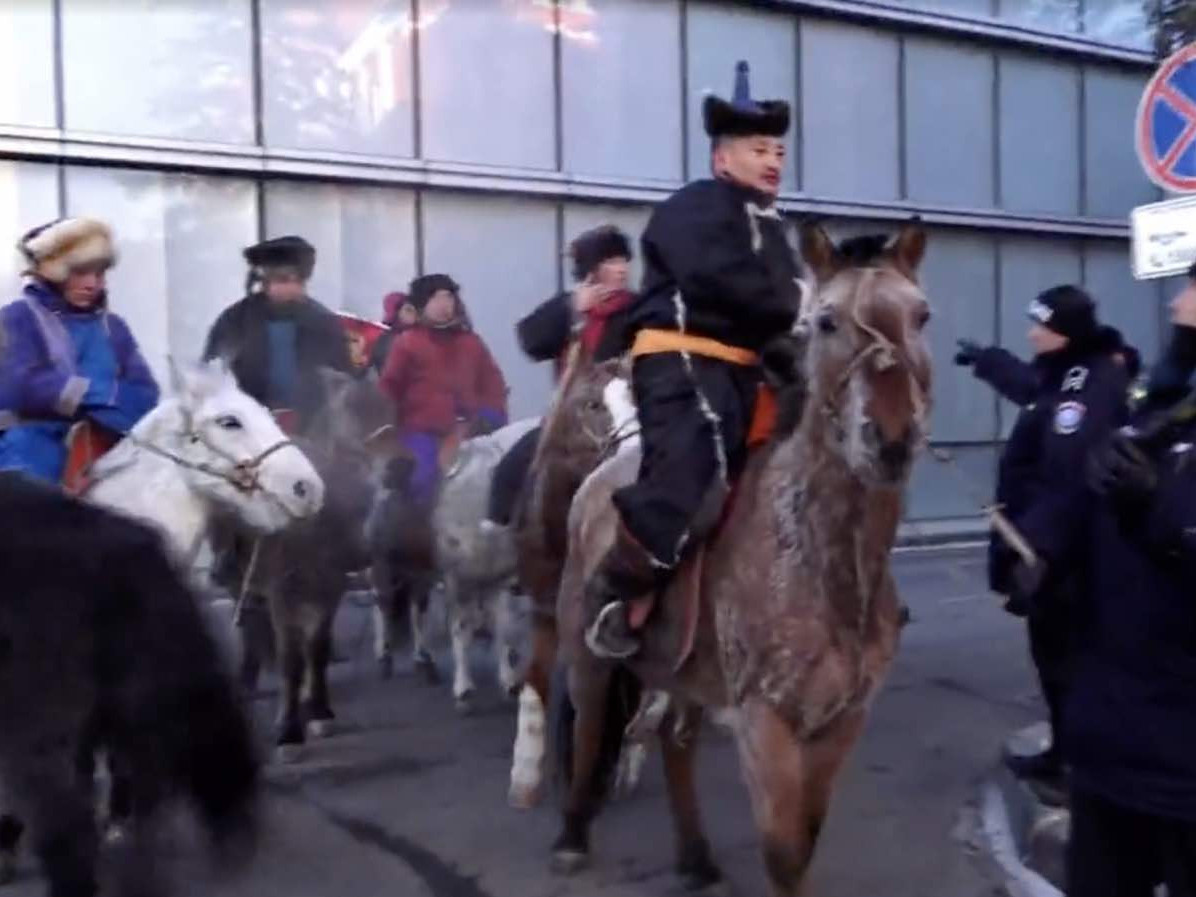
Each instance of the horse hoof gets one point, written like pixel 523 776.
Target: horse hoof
pixel 464 702
pixel 320 728
pixel 8 867
pixel 524 796
pixel 569 860
pixel 386 667
pixel 425 667
pixel 288 754
pixel 696 869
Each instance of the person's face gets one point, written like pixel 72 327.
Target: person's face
pixel 407 315
pixel 441 308
pixel 1044 340
pixel 1183 306
pixel 755 162
pixel 613 273
pixel 285 287
pixel 84 287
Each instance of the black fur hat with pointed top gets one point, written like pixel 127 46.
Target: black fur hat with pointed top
pixel 743 116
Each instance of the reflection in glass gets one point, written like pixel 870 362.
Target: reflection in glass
pixel 972 8
pixel 180 238
pixel 1044 15
pixel 28 197
pixel 486 91
pixel 27 63
pixel 364 239
pixel 180 69
pixel 337 76
pixel 1117 22
pixel 621 97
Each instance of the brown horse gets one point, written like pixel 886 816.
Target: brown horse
pixel 793 614
pixel 592 416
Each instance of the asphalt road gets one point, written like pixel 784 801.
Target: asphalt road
pixel 409 798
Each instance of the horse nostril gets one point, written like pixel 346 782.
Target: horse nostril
pixel 895 455
pixel 301 489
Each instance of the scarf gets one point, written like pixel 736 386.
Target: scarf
pixel 595 320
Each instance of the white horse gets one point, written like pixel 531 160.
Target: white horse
pixel 208 449
pixel 475 562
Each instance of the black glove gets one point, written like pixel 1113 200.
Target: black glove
pixel 968 354
pixel 1026 581
pixel 1123 473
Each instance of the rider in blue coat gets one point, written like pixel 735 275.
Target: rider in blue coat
pixel 64 357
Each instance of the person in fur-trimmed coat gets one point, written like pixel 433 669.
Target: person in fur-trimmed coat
pixel 64 356
pixel 440 374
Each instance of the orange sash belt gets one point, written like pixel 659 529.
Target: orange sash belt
pixel 653 342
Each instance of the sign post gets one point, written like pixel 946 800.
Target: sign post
pixel 1163 234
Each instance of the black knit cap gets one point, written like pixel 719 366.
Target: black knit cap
pixel 424 288
pixel 283 252
pixel 743 116
pixel 1068 311
pixel 596 246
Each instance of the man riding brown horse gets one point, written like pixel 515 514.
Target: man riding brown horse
pixel 719 283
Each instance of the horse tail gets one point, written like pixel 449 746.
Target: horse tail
pixel 622 701
pixel 171 703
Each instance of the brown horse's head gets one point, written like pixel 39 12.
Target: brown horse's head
pixel 867 362
pixel 592 403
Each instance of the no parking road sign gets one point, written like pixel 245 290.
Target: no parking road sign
pixel 1166 126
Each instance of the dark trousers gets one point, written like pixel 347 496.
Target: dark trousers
pixel 1116 852
pixel 509 477
pixel 1051 649
pixel 694 415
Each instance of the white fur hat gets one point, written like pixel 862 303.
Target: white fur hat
pixel 55 249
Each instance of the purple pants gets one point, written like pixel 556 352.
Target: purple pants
pixel 425 472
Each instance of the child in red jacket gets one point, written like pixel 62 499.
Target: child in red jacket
pixel 440 374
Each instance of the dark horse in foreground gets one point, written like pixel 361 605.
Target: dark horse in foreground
pixel 97 625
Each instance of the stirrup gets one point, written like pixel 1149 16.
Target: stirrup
pixel 595 633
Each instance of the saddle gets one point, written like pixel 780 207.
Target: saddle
pixel 686 587
pixel 86 443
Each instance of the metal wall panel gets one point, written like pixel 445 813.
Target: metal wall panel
pixel 503 252
pixel 719 36
pixel 959 278
pixel 1039 135
pixel 1120 22
pixel 621 91
pixel 849 78
pixel 1113 180
pixel 949 123
pixel 28 198
pixel 936 493
pixel 27 63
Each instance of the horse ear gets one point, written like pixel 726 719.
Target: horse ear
pixel 909 247
pixel 818 252
pixel 178 378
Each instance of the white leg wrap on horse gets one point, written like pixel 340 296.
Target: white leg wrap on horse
pixel 528 761
pixel 462 636
pixel 381 632
pixel 631 767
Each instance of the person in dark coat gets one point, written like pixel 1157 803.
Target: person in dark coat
pixel 64 357
pixel 1081 398
pixel 1131 706
pixel 717 266
pixel 277 338
pixel 440 375
pixel 1020 381
pixel 596 311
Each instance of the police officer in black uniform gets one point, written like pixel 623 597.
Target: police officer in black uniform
pixel 1080 399
pixel 718 268
pixel 1130 718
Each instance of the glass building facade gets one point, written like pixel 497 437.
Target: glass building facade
pixel 477 137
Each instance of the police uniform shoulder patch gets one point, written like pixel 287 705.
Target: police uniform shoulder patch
pixel 1068 417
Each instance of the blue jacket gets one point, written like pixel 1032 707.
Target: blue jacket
pixel 59 365
pixel 1130 714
